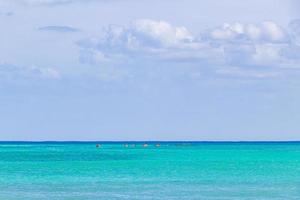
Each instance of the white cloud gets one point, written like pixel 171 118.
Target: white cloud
pixel 272 32
pixel 247 46
pixel 267 31
pixel 162 32
pixel 146 39
pixel 262 45
pixel 148 35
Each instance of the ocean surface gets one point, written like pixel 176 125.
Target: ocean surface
pixel 183 170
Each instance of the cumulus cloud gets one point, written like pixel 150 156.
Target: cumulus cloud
pixel 61 29
pixel 249 47
pixel 161 33
pixel 147 39
pixel 267 31
pixel 11 72
pixel 147 35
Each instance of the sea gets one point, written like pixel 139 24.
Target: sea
pixel 156 171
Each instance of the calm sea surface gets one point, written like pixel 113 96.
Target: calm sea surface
pixel 231 171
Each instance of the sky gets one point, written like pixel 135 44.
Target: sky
pixel 149 70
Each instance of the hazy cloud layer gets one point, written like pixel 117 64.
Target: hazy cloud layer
pixel 45 2
pixel 13 72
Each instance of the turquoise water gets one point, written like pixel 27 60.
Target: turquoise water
pixel 231 171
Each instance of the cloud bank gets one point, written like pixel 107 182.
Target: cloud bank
pixel 258 50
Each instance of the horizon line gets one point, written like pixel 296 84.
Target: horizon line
pixel 149 141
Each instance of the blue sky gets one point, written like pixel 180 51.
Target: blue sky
pixel 149 70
